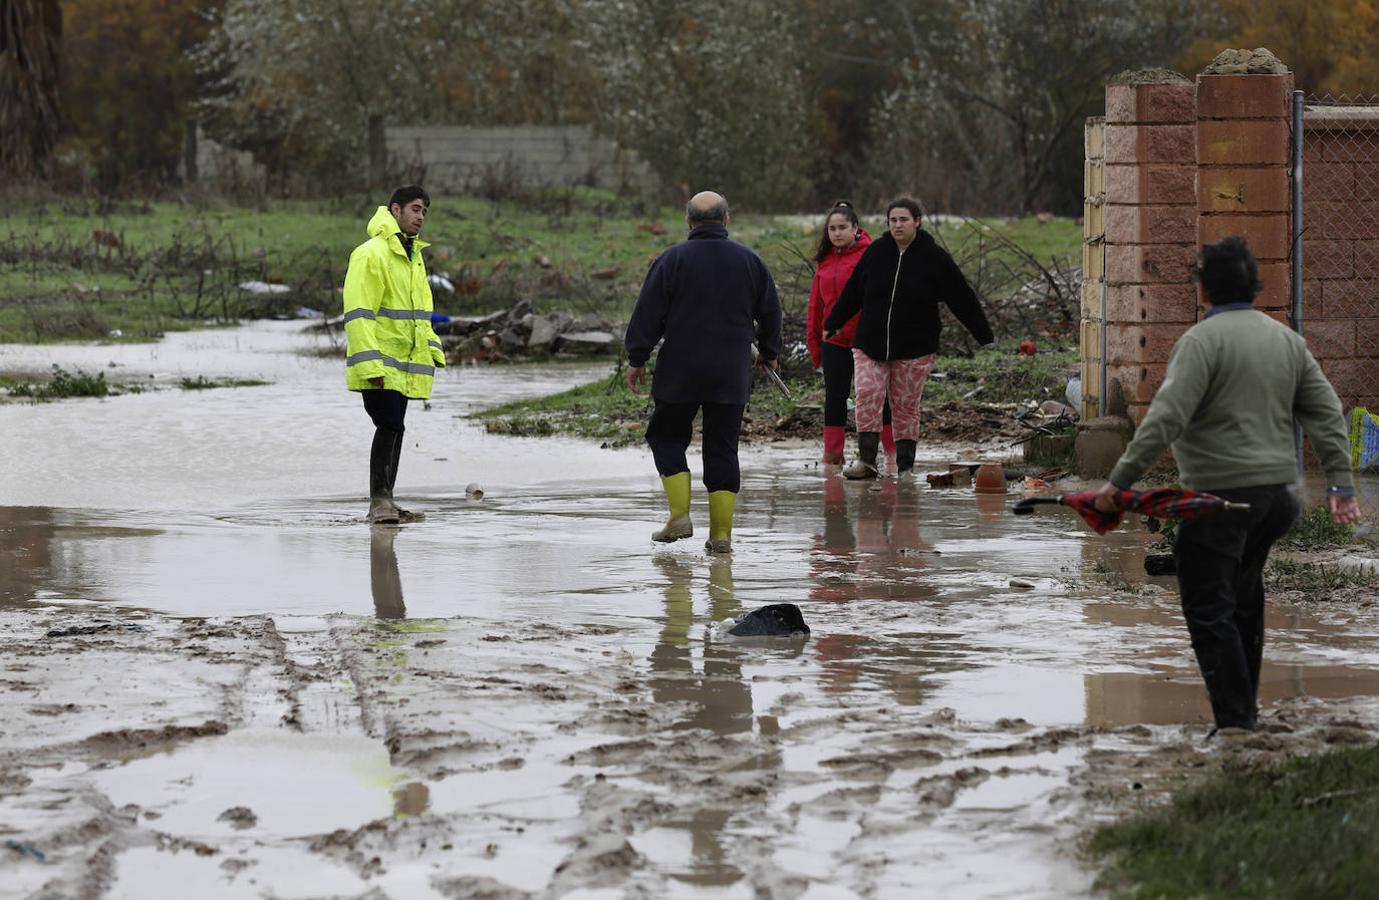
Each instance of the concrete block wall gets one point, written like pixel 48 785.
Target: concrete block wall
pixel 455 158
pixel 1093 265
pixel 1341 253
pixel 1151 214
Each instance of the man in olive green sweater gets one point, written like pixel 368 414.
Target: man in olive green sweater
pixel 1237 382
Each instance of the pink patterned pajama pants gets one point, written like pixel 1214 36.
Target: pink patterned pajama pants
pixel 902 379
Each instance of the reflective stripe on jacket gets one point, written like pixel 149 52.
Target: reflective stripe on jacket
pixel 388 331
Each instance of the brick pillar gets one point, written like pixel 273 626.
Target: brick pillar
pixel 1093 264
pixel 1243 140
pixel 1151 233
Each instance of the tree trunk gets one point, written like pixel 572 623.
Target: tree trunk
pixel 30 34
pixel 378 151
pixel 190 171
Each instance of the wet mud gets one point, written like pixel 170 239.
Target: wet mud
pixel 523 697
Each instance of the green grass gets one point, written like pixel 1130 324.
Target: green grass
pixel 177 265
pixel 1317 580
pixel 1059 240
pixel 1305 829
pixel 1316 531
pixel 202 383
pixel 1003 376
pixel 62 384
pixel 606 411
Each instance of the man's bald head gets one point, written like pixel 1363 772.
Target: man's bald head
pixel 706 208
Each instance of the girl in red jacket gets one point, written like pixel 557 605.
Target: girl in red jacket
pixel 840 247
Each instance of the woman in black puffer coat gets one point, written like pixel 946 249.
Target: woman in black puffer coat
pixel 897 286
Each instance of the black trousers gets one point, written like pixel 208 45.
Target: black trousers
pixel 1220 573
pixel 837 366
pixel 672 426
pixel 387 409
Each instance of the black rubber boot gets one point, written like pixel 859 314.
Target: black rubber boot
pixel 868 442
pixel 904 457
pixel 387 444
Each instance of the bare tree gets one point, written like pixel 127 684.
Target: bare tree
pixel 30 33
pixel 995 98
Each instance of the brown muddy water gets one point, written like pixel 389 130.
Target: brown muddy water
pixel 522 696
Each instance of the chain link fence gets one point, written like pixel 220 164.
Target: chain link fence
pixel 1339 247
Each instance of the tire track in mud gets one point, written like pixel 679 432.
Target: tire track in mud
pixel 74 825
pixel 594 751
pixel 242 673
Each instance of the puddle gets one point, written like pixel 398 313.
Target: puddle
pixel 294 784
pixel 524 693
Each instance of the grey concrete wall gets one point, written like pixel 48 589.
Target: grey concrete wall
pixel 455 158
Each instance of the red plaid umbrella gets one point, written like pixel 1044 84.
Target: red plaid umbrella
pixel 1161 503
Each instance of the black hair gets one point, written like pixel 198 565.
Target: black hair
pixel 909 204
pixel 714 215
pixel 843 208
pixel 1227 271
pixel 406 194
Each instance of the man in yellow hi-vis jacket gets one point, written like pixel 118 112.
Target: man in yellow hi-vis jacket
pixel 392 351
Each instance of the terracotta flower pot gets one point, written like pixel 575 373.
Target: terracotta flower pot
pixel 990 479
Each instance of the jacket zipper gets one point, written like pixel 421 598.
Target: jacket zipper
pixel 890 309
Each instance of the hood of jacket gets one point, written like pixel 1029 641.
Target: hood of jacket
pixel 383 225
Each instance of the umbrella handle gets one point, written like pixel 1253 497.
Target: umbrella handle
pixel 1026 506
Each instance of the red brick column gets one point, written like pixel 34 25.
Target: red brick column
pixel 1151 233
pixel 1243 156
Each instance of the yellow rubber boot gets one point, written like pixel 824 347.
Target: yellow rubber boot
pixel 721 506
pixel 678 526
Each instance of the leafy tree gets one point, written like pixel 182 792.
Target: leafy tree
pixel 989 111
pixel 128 84
pixel 29 36
pixel 1329 44
pixel 711 94
pixel 298 81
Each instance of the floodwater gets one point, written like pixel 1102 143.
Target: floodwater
pixel 522 696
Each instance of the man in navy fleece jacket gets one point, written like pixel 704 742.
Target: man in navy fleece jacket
pixel 709 298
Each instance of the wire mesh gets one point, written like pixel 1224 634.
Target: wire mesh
pixel 1341 266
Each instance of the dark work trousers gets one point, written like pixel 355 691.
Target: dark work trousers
pixel 837 366
pixel 1220 574
pixel 387 409
pixel 672 426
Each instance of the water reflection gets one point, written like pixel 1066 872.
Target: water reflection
pixel 26 561
pixel 1174 692
pixel 1177 695
pixel 880 554
pixel 384 579
pixel 716 698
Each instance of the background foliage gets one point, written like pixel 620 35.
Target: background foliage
pixel 976 105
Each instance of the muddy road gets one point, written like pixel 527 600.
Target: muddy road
pixel 216 681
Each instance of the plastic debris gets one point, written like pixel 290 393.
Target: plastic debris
pixel 264 287
pixel 81 630
pixel 24 848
